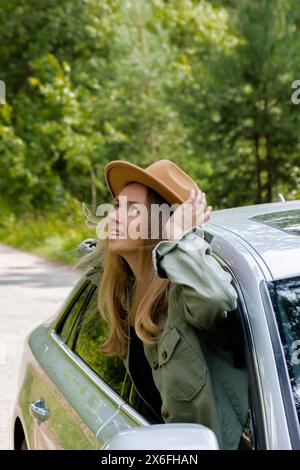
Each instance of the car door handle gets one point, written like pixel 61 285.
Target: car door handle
pixel 39 410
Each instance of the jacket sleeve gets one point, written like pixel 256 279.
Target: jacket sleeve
pixel 207 291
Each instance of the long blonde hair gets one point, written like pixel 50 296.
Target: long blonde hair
pixel 119 301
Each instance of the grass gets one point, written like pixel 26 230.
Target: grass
pixel 53 234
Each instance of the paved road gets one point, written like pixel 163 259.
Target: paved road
pixel 31 290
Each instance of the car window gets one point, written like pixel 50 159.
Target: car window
pixel 288 221
pixel 84 330
pixel 91 332
pixel 73 311
pixel 234 330
pixel 285 296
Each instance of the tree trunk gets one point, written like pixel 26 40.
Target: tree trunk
pixel 258 167
pixel 269 164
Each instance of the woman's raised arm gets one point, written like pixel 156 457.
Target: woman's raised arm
pixel 206 287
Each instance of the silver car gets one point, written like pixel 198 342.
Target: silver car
pixel 73 397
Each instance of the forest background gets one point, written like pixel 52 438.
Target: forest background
pixel 207 84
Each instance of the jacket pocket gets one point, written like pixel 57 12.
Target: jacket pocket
pixel 183 371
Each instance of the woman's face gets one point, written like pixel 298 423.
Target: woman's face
pixel 128 219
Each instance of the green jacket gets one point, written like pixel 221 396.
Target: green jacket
pixel 191 368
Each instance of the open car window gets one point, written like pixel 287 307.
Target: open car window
pixel 72 312
pixel 90 333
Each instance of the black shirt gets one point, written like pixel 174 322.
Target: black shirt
pixel 141 374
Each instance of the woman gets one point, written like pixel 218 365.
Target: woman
pixel 165 299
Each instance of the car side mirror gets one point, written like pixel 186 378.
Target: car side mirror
pixel 172 436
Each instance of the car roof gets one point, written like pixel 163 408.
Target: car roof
pixel 278 246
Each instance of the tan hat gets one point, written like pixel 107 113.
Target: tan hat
pixel 164 176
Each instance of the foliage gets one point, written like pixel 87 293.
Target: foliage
pixel 204 83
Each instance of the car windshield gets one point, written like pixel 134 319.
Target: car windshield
pixel 285 296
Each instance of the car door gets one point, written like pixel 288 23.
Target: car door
pixel 68 402
pixel 90 332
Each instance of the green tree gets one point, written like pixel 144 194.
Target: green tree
pixel 242 119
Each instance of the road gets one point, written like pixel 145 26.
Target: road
pixel 31 290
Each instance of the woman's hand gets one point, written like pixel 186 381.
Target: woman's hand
pixel 193 211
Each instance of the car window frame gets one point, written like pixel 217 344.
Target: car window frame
pixel 127 390
pixel 74 333
pixel 83 284
pixel 258 423
pixel 55 333
pixel 67 308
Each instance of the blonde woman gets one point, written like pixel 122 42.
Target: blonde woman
pixel 165 299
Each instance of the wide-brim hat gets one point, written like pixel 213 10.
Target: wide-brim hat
pixel 164 176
